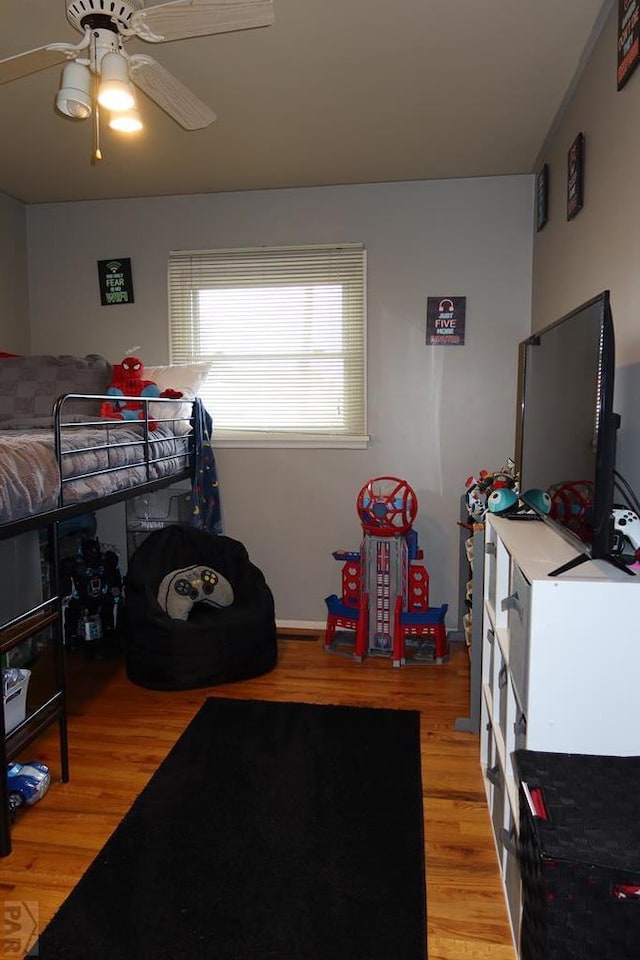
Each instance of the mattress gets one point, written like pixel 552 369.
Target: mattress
pixel 97 461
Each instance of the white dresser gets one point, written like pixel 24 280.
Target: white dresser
pixel 560 666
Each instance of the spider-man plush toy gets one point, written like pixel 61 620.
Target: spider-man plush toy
pixel 127 382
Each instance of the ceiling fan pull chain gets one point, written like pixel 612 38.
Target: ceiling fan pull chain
pixel 96 156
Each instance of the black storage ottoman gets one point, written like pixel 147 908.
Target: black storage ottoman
pixel 579 853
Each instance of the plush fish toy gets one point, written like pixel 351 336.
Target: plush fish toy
pixel 501 500
pixel 539 499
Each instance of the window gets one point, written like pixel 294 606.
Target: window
pixel 284 330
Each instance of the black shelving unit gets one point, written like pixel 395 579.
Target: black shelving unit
pixel 45 616
pixel 473 562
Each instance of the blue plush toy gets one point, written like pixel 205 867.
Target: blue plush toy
pixel 539 499
pixel 501 500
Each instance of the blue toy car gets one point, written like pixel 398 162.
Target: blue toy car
pixel 27 783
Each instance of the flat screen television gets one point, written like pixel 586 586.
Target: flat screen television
pixel 566 427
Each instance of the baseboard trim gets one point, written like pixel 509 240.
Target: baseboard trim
pixel 300 624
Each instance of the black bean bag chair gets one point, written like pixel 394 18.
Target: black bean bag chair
pixel 214 645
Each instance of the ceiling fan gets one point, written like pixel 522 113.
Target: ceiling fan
pixel 99 71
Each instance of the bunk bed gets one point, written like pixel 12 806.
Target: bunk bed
pixel 75 466
pixel 60 458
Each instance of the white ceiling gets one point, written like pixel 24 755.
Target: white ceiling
pixel 335 92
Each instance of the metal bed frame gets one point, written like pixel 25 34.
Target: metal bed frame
pixel 48 613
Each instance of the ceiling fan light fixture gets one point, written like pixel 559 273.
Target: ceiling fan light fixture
pixel 74 96
pixel 115 92
pixel 128 121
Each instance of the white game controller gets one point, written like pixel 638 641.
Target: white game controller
pixel 628 523
pixel 180 589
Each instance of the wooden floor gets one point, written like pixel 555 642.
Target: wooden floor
pixel 120 733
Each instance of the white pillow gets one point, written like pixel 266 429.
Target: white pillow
pixel 187 377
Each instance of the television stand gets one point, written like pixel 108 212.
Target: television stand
pixel 585 558
pixel 551 679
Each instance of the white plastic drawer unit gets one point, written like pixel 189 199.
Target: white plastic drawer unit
pixel 488 658
pixel 560 666
pixel 511 871
pixel 518 605
pixel 490 570
pixel 496 580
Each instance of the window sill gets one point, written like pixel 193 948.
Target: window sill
pixel 292 442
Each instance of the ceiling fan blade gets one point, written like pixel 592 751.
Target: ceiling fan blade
pixel 200 18
pixel 169 93
pixel 32 61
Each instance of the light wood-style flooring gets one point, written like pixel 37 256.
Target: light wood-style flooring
pixel 119 734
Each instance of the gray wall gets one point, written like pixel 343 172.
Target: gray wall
pixel 436 414
pixel 600 248
pixel 14 303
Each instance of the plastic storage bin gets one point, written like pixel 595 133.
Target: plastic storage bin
pixel 15 683
pixel 579 853
pixel 154 511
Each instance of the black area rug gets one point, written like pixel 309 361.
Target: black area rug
pixel 272 831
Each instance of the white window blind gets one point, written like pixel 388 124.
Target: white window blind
pixel 284 330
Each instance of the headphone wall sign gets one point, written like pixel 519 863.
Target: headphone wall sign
pixel 445 321
pixel 116 282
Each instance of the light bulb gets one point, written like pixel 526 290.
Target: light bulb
pixel 115 95
pixel 127 122
pixel 74 96
pixel 115 91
